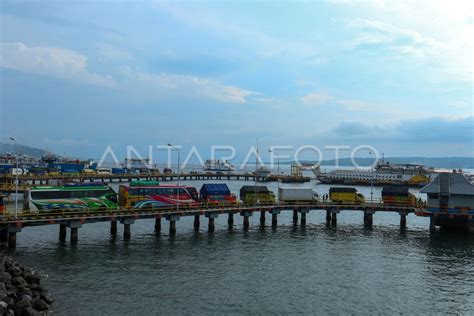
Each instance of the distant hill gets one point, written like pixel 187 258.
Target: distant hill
pixel 23 150
pixel 440 162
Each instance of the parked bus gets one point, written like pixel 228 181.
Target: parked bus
pixel 140 194
pixel 72 196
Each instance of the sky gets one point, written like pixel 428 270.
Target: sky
pixel 77 76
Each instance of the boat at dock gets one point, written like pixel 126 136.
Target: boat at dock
pixel 384 173
pixel 217 165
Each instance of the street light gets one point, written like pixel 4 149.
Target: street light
pixel 278 172
pixel 179 172
pixel 13 139
pixel 371 177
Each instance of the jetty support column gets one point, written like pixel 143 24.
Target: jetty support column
pixel 403 219
pixel 172 218
pixel 158 224
pixel 62 232
pixel 211 216
pixel 12 230
pixel 334 213
pixel 127 222
pixel 4 234
pixel 74 226
pixel 197 221
pixel 113 227
pixel 368 217
pixel 262 218
pixel 274 213
pixel 303 211
pixel 230 220
pixel 295 216
pixel 246 215
pixel 433 222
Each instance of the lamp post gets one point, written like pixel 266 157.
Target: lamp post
pixel 16 175
pixel 371 177
pixel 278 173
pixel 179 172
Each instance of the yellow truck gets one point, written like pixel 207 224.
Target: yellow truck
pixel 345 195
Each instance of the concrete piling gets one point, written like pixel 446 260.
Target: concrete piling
pixel 74 235
pixel 328 216
pixel 274 220
pixel 113 227
pixel 333 218
pixel 12 240
pixel 230 220
pixel 172 227
pixel 246 215
pixel 62 232
pixel 303 219
pixel 295 216
pixel 368 218
pixel 262 218
pixel 210 227
pixel 403 220
pixel 4 234
pixel 158 225
pixel 126 231
pixel 196 221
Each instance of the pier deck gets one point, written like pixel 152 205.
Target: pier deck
pixel 74 219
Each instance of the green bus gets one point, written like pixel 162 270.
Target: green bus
pixel 72 196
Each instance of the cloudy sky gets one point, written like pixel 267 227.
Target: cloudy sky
pixel 76 77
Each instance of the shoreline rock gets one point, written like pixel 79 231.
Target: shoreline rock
pixel 21 292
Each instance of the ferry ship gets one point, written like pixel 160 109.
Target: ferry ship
pixel 217 165
pixel 383 173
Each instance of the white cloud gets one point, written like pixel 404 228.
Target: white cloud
pixel 436 35
pixel 49 61
pixel 315 98
pixel 113 52
pixel 165 84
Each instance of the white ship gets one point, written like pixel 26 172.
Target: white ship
pixel 217 165
pixel 383 173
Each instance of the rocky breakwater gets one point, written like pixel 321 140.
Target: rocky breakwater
pixel 21 292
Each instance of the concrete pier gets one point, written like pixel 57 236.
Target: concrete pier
pixel 262 218
pixel 303 219
pixel 197 222
pixel 173 228
pixel 246 216
pixel 432 223
pixel 368 218
pixel 172 218
pixel 274 213
pixel 158 225
pixel 211 217
pixel 12 240
pixel 127 234
pixel 210 227
pixel 230 220
pixel 403 220
pixel 113 227
pixel 303 212
pixel 333 218
pixel 4 234
pixel 62 232
pixel 328 216
pixel 295 216
pixel 74 235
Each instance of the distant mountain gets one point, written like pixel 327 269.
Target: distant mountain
pixel 22 150
pixel 440 162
